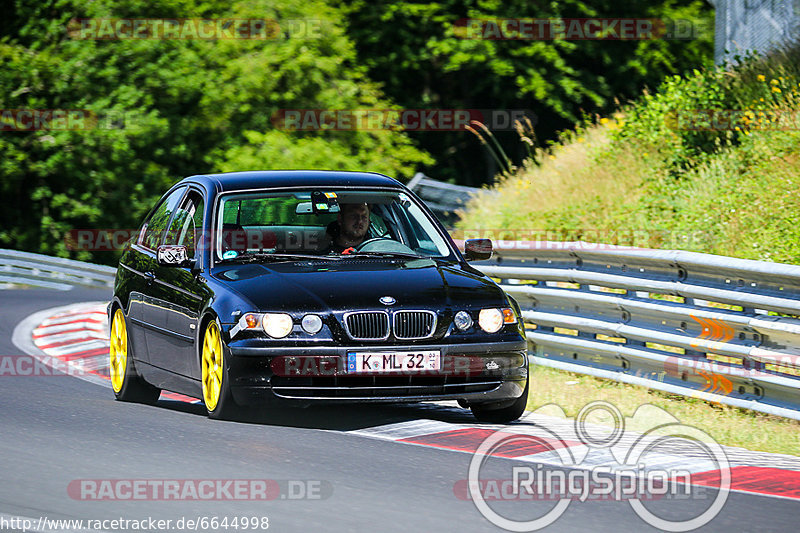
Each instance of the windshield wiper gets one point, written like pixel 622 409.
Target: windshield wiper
pixel 262 256
pixel 385 254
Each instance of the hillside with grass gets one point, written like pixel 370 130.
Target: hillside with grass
pixel 708 162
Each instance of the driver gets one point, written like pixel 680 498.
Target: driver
pixel 353 223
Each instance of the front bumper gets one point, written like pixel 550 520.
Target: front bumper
pixel 477 373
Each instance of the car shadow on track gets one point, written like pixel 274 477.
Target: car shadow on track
pixel 338 417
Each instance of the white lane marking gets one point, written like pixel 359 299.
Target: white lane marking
pixel 93 363
pixel 53 321
pixel 69 349
pixel 563 428
pixel 50 330
pixel 405 430
pixel 666 455
pixel 47 340
pixel 83 367
pixel 22 338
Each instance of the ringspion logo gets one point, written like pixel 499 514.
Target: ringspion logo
pixel 591 464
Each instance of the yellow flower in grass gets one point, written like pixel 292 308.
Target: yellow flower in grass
pixel 774 82
pixel 776 90
pixel 761 77
pixel 603 120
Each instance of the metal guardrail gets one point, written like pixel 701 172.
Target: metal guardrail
pixel 25 268
pixel 696 324
pixel 442 198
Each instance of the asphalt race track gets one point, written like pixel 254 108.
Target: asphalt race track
pixel 58 430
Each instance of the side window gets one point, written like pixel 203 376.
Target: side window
pixel 157 225
pixel 187 223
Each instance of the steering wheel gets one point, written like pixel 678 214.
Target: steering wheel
pixel 368 241
pixel 384 245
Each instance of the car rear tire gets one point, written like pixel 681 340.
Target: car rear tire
pixel 128 386
pixel 217 395
pixel 503 415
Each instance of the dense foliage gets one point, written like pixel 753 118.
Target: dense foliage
pixel 415 49
pixel 708 162
pixel 176 107
pixel 189 107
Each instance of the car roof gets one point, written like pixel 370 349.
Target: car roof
pixel 234 181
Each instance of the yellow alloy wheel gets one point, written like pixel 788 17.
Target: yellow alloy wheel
pixel 212 366
pixel 118 350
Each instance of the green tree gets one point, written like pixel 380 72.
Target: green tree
pixel 414 49
pixel 167 109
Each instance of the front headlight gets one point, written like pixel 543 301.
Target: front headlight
pixel 277 325
pixel 492 320
pixel 312 324
pixel 462 320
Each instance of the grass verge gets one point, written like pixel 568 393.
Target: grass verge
pixel 730 426
pixel 661 174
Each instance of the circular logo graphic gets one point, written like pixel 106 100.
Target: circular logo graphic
pixel 639 473
pixel 387 300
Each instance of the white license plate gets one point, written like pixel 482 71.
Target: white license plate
pixel 388 362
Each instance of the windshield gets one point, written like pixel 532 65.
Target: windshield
pixel 324 223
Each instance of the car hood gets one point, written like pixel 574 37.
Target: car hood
pixel 359 283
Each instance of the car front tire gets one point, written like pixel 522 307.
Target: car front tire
pixel 217 395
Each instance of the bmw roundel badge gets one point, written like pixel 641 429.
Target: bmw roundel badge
pixel 388 300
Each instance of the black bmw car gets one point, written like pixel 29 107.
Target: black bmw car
pixel 271 288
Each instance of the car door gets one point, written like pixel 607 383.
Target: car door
pixel 178 292
pixel 142 265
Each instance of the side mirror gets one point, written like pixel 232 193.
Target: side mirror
pixel 173 255
pixel 478 249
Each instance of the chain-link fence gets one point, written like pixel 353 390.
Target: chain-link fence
pixel 761 25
